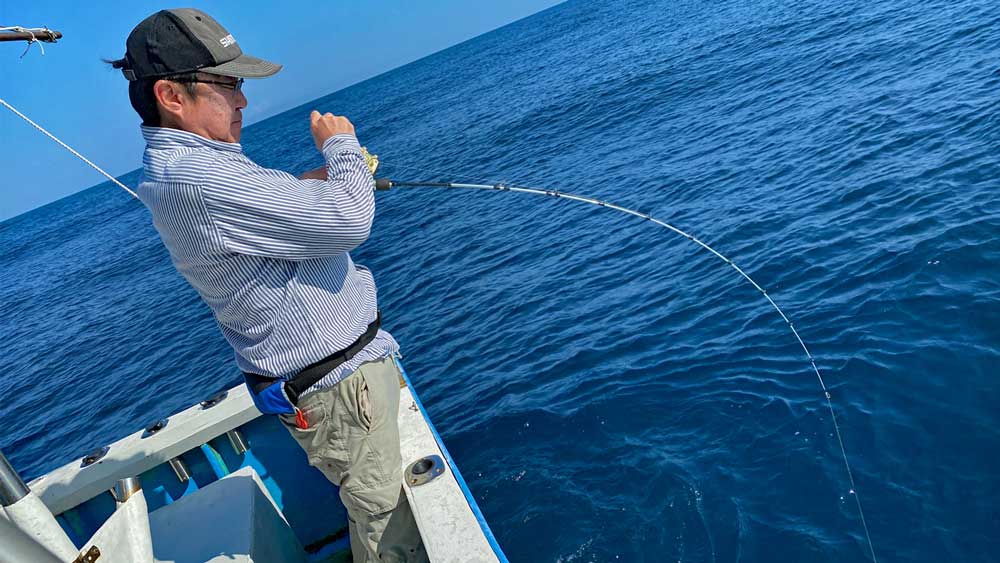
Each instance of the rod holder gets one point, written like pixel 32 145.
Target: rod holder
pixel 125 488
pixel 180 469
pixel 237 441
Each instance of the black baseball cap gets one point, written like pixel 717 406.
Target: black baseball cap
pixel 186 40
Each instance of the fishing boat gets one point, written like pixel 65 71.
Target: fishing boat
pixel 221 482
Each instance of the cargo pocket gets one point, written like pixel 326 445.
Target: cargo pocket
pixel 371 501
pixel 370 487
pixel 320 440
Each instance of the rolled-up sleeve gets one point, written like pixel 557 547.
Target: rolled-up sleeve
pixel 264 212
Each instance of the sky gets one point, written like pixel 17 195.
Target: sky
pixel 324 47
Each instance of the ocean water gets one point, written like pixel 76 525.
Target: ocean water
pixel 611 391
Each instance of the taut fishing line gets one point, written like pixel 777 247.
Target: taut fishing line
pixel 382 184
pixel 385 184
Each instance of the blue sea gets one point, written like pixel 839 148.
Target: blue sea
pixel 611 391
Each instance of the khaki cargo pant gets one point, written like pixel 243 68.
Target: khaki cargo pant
pixel 353 438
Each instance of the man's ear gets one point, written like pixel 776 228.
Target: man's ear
pixel 171 98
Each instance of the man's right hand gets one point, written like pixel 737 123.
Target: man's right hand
pixel 327 125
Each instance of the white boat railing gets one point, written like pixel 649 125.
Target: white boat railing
pixel 72 484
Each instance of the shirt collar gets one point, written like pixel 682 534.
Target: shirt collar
pixel 165 138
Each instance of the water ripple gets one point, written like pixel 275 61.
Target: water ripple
pixel 611 391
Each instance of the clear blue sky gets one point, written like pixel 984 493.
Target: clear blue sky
pixel 325 46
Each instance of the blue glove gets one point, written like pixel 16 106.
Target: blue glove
pixel 272 399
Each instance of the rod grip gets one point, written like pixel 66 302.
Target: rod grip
pixel 383 183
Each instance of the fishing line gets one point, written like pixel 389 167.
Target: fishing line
pixel 67 147
pixel 386 184
pixel 383 184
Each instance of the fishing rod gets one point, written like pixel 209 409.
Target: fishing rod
pixel 384 184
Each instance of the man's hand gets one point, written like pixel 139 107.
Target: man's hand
pixel 327 125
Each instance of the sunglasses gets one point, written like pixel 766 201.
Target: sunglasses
pixel 234 86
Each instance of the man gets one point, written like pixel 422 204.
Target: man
pixel 268 252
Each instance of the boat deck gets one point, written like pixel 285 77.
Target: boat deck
pixel 182 464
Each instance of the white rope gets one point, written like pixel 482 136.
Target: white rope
pixel 826 393
pixel 30 31
pixel 25 29
pixel 67 147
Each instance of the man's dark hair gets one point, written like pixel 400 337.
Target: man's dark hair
pixel 140 93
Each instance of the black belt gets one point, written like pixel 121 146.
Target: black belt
pixel 316 371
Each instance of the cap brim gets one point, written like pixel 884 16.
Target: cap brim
pixel 244 66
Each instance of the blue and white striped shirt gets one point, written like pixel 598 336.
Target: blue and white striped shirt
pixel 266 251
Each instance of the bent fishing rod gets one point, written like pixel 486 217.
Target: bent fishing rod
pixel 383 184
